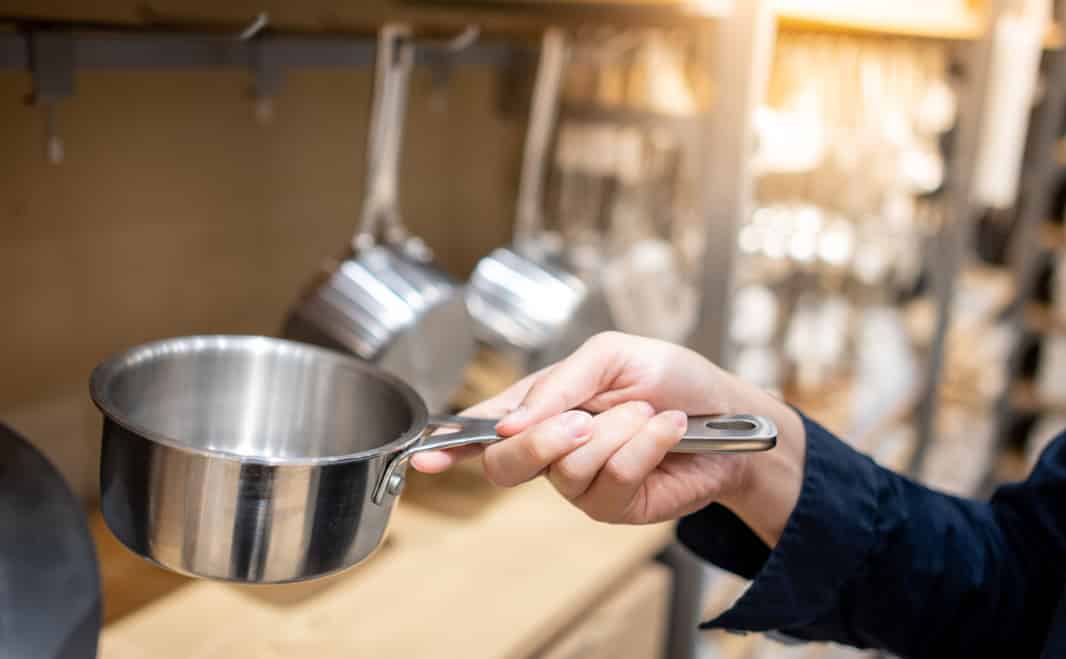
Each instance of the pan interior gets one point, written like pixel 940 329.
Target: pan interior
pixel 256 397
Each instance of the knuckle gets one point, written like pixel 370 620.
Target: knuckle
pixel 535 450
pixel 568 472
pixel 639 409
pixel 608 337
pixel 663 430
pixel 619 473
pixel 494 471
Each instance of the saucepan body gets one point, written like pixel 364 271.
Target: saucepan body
pixel 249 459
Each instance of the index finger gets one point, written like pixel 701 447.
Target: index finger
pixel 568 384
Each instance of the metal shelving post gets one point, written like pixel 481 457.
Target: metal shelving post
pixel 1037 192
pixel 954 239
pixel 743 53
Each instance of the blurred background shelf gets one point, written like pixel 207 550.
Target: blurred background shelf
pixel 952 21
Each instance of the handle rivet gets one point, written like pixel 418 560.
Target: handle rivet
pixel 396 482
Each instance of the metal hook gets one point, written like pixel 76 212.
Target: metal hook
pixel 52 64
pixel 255 27
pixel 54 149
pixel 456 44
pixel 439 60
pixel 464 39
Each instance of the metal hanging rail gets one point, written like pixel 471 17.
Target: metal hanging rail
pixel 150 51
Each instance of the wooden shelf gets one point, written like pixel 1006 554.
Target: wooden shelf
pixel 873 17
pixel 539 14
pixel 882 17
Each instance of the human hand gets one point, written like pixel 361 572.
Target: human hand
pixel 616 465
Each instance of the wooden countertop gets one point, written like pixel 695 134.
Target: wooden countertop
pixel 492 581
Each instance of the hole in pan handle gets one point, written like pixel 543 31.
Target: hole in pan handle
pixel 740 433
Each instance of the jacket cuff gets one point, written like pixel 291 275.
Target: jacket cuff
pixel 826 540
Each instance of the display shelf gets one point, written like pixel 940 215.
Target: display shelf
pixel 925 20
pixel 901 19
pixel 539 14
pixel 511 18
pixel 533 16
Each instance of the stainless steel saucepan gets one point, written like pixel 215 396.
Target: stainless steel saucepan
pixel 387 302
pixel 526 298
pixel 263 460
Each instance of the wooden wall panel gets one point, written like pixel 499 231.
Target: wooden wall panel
pixel 175 212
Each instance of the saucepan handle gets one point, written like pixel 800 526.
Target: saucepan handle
pixel 740 433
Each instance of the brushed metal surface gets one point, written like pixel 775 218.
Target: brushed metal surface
pixel 248 458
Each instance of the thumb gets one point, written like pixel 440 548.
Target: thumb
pixel 568 384
pixel 435 462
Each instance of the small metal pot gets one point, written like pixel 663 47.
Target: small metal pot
pixel 262 460
pixel 386 302
pixel 526 298
pixel 528 301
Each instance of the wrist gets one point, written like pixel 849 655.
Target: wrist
pixel 769 486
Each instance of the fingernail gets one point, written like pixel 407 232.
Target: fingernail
pixel 577 424
pixel 679 419
pixel 517 416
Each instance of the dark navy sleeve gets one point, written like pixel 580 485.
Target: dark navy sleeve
pixel 874 560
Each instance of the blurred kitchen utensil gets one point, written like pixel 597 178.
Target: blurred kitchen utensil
pixel 646 286
pixel 262 460
pixel 51 606
pixel 526 297
pixel 385 301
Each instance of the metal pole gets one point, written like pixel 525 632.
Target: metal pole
pixel 743 52
pixel 955 237
pixel 1037 190
pixel 743 49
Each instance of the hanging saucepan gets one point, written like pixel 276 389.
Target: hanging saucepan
pixel 525 298
pixel 386 302
pixel 263 460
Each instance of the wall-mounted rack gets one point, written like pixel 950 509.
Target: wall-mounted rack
pixel 148 51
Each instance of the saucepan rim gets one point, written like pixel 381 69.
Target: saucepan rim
pixel 105 373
